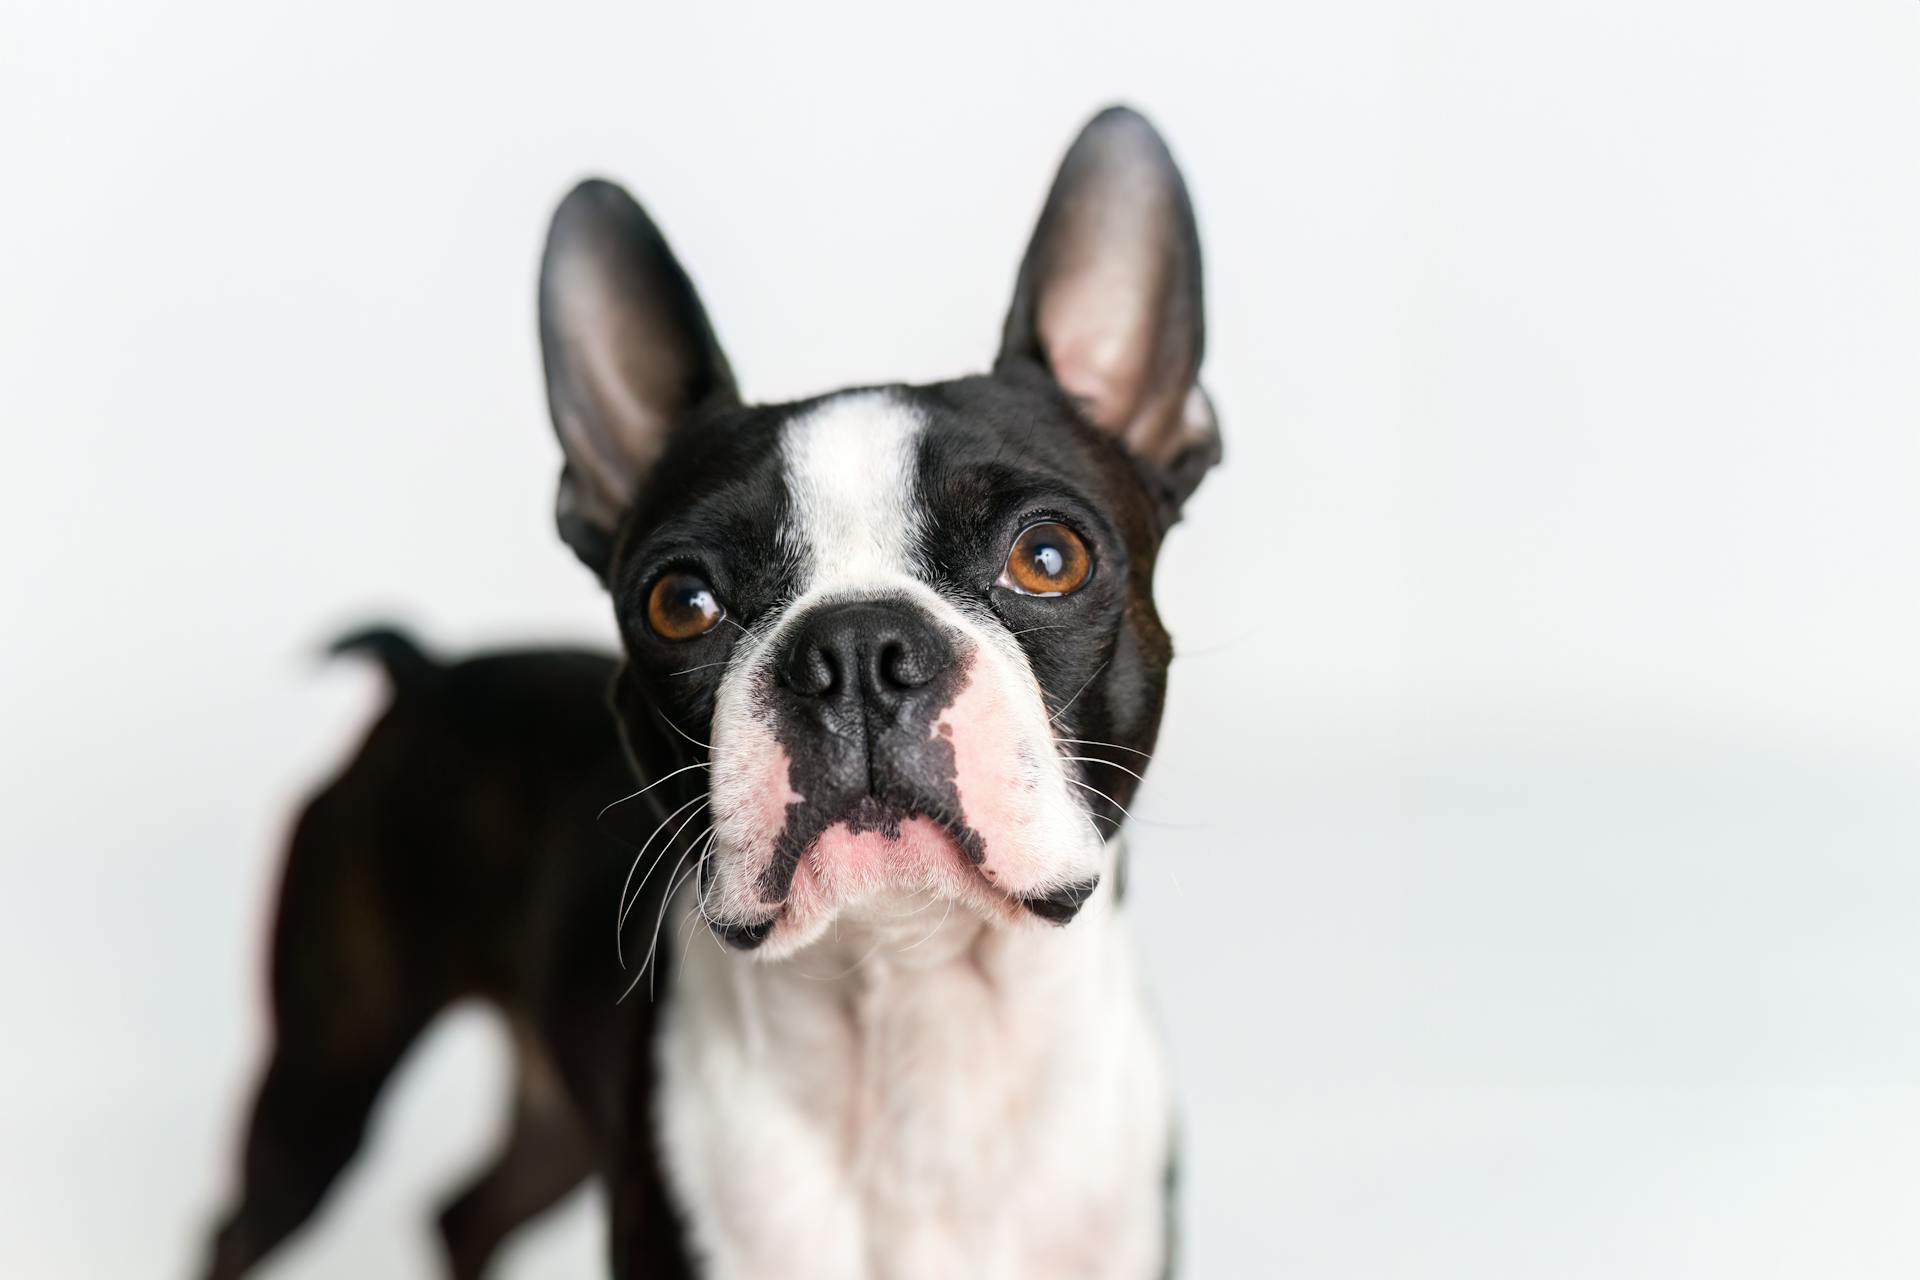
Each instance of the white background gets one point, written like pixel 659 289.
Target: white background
pixel 1533 886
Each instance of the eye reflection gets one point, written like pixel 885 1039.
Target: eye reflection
pixel 682 606
pixel 1047 559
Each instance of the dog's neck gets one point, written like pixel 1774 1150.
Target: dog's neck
pixel 921 1095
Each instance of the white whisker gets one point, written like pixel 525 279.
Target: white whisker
pixel 1103 795
pixel 671 841
pixel 651 969
pixel 666 720
pixel 1089 742
pixel 1109 763
pixel 674 881
pixel 1082 689
pixel 626 904
pixel 650 786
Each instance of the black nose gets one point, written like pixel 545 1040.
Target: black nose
pixel 874 652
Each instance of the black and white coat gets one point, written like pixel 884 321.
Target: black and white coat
pixel 922 1046
pixel 890 673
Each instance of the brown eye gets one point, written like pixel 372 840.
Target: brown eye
pixel 681 607
pixel 1047 560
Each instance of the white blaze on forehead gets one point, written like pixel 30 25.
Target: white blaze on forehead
pixel 854 526
pixel 850 466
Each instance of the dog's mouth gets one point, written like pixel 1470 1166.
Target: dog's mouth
pixel 863 827
pixel 886 846
pixel 880 794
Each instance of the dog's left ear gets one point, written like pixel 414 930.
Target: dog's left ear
pixel 1109 301
pixel 628 352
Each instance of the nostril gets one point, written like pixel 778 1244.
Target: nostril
pixel 903 667
pixel 811 671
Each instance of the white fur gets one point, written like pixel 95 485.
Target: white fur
pixel 921 1082
pixel 849 476
pixel 927 1097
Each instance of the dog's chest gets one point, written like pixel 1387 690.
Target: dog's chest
pixel 909 1121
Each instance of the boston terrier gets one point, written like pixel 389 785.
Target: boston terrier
pixel 890 674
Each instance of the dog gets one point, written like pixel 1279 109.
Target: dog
pixel 890 672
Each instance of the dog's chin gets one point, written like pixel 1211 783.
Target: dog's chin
pixel 892 877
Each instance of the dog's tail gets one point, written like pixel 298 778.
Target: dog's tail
pixel 407 665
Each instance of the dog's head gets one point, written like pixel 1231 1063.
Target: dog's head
pixel 912 628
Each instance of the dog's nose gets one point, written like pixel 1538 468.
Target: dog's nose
pixel 872 652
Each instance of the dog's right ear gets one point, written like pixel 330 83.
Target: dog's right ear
pixel 628 352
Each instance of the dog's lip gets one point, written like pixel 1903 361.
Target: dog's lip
pixel 1062 904
pixel 743 936
pixel 958 860
pixel 881 812
pixel 1056 906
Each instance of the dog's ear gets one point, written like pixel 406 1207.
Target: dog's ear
pixel 628 351
pixel 1109 301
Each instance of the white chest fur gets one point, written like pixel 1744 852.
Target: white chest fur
pixel 922 1100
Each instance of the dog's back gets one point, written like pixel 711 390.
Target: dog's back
pixel 446 861
pixel 473 773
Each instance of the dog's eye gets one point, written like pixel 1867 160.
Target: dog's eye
pixel 1047 559
pixel 681 606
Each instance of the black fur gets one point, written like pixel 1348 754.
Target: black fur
pixel 458 856
pixel 404 661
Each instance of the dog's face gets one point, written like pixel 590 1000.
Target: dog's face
pixel 912 628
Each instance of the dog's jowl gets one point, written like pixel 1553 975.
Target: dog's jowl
pixel 890 674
